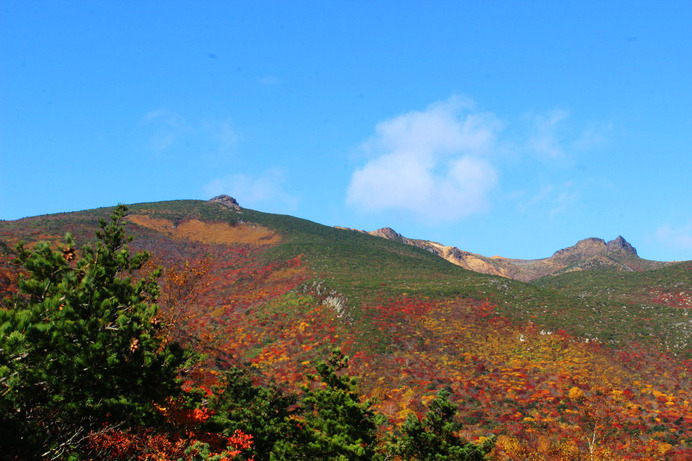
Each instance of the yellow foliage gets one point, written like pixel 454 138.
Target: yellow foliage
pixel 664 448
pixel 575 393
pixel 426 399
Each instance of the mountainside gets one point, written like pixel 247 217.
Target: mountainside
pixel 583 355
pixel 590 253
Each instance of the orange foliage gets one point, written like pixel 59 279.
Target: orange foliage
pixel 212 233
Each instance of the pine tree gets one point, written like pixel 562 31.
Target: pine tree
pixel 261 410
pixel 335 424
pixel 79 345
pixel 435 437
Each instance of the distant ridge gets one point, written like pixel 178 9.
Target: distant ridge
pixel 588 254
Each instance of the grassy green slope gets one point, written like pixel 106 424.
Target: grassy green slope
pixel 620 285
pixel 364 268
pixel 614 306
pixel 651 307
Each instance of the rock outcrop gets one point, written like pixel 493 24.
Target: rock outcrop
pixel 390 234
pixel 583 249
pixel 620 244
pixel 226 201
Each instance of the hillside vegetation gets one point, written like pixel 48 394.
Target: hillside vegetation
pixel 591 364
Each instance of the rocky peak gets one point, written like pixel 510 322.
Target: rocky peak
pixel 582 249
pixel 226 201
pixel 388 233
pixel 620 244
pixel 593 246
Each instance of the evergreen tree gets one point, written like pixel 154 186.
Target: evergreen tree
pixel 435 437
pixel 79 345
pixel 260 410
pixel 335 424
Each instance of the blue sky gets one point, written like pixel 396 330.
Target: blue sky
pixel 500 127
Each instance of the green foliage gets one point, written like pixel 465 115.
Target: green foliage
pixel 262 411
pixel 649 307
pixel 79 344
pixel 435 437
pixel 335 424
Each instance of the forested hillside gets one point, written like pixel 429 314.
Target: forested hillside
pixel 251 309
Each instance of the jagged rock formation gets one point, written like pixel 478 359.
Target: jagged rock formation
pixel 620 244
pixel 588 254
pixel 226 201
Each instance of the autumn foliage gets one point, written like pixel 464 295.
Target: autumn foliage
pixel 261 318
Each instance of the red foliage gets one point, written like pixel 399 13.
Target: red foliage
pixel 146 445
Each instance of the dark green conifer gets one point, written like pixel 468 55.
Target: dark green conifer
pixel 260 410
pixel 79 345
pixel 335 424
pixel 436 437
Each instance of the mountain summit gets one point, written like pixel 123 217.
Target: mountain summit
pixel 620 244
pixel 226 201
pixel 591 247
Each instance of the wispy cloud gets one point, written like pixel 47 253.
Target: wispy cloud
pixel 553 135
pixel 170 130
pixel 265 191
pixel 564 198
pixel 678 238
pixel 592 137
pixel 221 133
pixel 434 164
pixel 554 199
pixel 269 80
pixel 544 138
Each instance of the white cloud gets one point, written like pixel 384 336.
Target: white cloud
pixel 434 163
pixel 265 191
pixel 679 238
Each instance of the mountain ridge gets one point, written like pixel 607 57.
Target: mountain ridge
pixel 587 254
